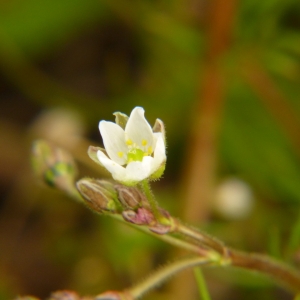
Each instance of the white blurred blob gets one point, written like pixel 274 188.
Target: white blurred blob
pixel 62 126
pixel 233 199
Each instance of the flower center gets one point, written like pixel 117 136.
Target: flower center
pixel 135 153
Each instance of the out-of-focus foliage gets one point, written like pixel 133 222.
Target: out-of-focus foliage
pixel 40 28
pixel 90 58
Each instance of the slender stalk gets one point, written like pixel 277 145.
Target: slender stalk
pixel 154 206
pixel 282 273
pixel 200 237
pixel 164 273
pixel 166 238
pixel 212 250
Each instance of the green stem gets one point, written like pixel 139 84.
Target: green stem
pixel 200 237
pixel 209 249
pixel 164 273
pixel 166 238
pixel 154 206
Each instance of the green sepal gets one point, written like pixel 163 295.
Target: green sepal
pixel 92 153
pixel 121 119
pixel 159 127
pixel 157 174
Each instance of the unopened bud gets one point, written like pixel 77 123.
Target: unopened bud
pixel 55 165
pixel 130 197
pixel 161 228
pixel 142 216
pixel 100 195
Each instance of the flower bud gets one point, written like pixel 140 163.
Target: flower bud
pixel 130 197
pixel 165 225
pixel 142 216
pixel 55 165
pixel 161 228
pixel 100 195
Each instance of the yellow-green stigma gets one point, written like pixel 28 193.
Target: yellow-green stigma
pixel 135 155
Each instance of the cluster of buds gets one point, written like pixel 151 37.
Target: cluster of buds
pixel 103 196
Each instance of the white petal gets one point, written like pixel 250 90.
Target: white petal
pixel 118 172
pixel 156 136
pixel 139 170
pixel 138 129
pixel 159 153
pixel 114 141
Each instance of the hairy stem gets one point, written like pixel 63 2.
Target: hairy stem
pixel 210 249
pixel 154 206
pixel 166 238
pixel 279 271
pixel 200 237
pixel 282 273
pixel 164 273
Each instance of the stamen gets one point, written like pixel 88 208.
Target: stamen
pixel 150 150
pixel 129 142
pixel 120 154
pixel 144 142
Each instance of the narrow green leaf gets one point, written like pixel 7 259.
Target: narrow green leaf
pixel 294 240
pixel 203 291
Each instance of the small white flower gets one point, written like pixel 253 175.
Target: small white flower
pixel 133 151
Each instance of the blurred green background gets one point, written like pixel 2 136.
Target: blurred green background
pixel 224 76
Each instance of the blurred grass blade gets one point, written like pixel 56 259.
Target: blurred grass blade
pixel 203 291
pixel 294 241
